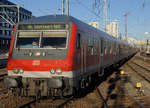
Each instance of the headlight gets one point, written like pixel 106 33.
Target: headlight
pixel 37 54
pixel 21 70
pixel 52 71
pixel 58 71
pixel 15 70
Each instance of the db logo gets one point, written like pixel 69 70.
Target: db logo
pixel 36 62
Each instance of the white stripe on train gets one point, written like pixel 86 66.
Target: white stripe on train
pixel 47 74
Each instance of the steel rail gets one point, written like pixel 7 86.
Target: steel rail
pixel 64 103
pixel 3 91
pixel 145 58
pixel 28 104
pixel 140 66
pixel 132 97
pixel 148 80
pixel 101 96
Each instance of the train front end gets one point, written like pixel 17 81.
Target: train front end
pixel 40 60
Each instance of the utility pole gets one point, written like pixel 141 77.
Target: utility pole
pixel 67 6
pixel 63 7
pixel 126 33
pixel 105 15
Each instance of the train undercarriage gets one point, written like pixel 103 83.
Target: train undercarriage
pixel 40 87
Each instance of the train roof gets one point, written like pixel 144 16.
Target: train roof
pixel 50 18
pixel 65 19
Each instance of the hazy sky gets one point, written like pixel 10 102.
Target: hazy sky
pixel 138 18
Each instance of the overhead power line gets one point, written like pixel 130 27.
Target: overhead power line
pixel 97 6
pixel 143 4
pixel 92 12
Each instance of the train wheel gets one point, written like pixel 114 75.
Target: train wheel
pixel 83 83
pixel 17 92
pixel 76 92
pixel 89 79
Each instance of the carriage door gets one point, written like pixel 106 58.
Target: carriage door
pixel 101 52
pixel 83 56
pixel 99 57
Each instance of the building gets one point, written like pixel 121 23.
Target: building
pixel 112 28
pixel 143 42
pixel 94 24
pixel 8 18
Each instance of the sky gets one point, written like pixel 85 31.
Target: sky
pixel 138 20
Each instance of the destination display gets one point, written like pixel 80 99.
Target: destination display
pixel 42 26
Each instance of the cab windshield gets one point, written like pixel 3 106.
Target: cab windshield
pixel 48 39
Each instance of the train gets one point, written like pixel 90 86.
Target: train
pixel 57 55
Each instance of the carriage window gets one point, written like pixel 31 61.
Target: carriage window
pixel 54 40
pixel 102 46
pixel 91 46
pixel 78 42
pixel 28 40
pixel 95 46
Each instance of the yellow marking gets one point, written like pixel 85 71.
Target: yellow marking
pixel 122 72
pixel 138 85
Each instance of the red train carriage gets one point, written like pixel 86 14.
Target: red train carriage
pixel 55 55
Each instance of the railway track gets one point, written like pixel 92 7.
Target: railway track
pixel 3 91
pixel 38 103
pixel 63 103
pixel 145 59
pixel 131 101
pixel 28 104
pixel 102 98
pixel 138 96
pixel 9 100
pixel 140 70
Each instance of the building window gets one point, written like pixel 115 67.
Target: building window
pixel 3 42
pixel 10 33
pixel 3 24
pixel 1 32
pixel 7 32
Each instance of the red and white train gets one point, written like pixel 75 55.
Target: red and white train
pixel 57 54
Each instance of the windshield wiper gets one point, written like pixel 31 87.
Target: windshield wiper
pixel 57 47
